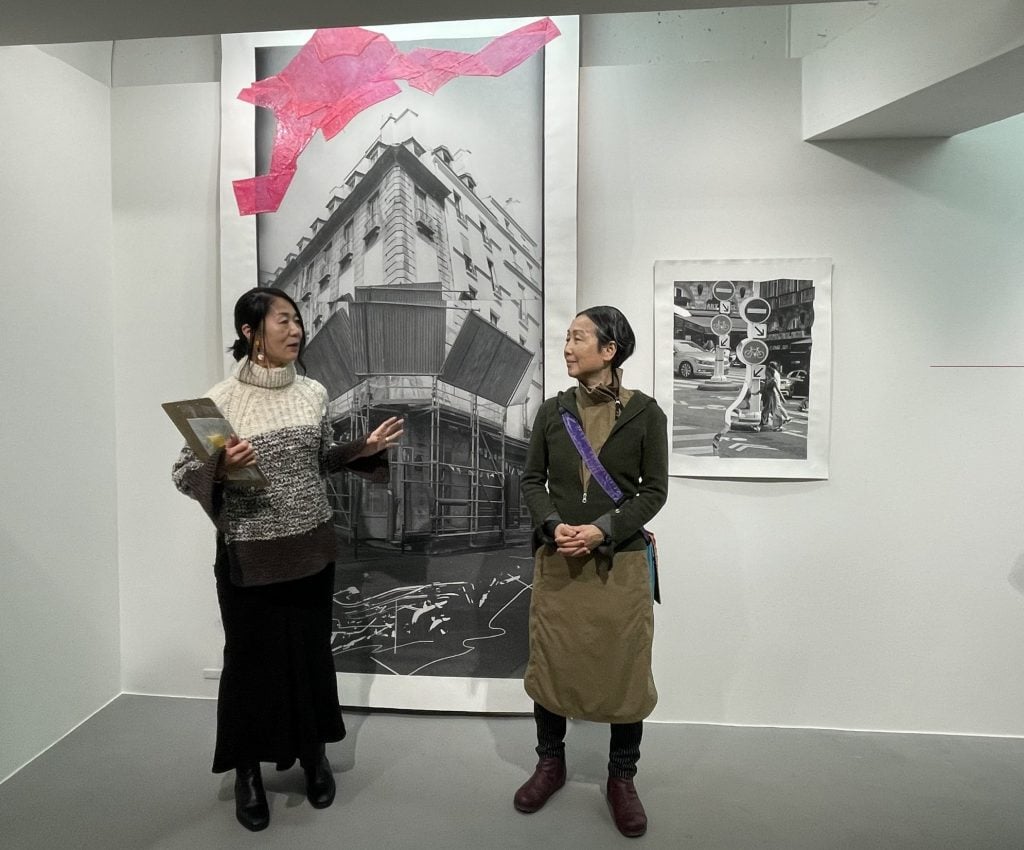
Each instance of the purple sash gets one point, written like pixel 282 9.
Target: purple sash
pixel 601 475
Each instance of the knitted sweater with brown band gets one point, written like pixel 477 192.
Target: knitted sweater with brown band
pixel 284 531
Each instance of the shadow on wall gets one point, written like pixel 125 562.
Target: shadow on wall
pixel 1016 577
pixel 966 171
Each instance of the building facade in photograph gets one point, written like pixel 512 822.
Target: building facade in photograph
pixel 789 325
pixel 422 298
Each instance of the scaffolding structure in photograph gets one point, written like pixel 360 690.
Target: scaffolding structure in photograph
pixel 452 481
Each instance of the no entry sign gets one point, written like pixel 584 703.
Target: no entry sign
pixel 723 290
pixel 755 310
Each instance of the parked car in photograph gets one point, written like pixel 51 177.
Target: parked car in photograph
pixel 785 385
pixel 795 384
pixel 690 360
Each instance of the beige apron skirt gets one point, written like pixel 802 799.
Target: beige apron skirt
pixel 591 630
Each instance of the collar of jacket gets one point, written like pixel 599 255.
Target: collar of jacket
pixel 566 400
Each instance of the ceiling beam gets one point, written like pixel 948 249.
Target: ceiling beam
pixel 918 68
pixel 70 21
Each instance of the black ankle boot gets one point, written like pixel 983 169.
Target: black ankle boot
pixel 320 786
pixel 251 807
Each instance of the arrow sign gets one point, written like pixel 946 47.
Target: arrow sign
pixel 725 307
pixel 758 372
pixel 759 331
pixel 724 340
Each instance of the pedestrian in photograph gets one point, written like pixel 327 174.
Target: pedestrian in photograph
pixel 275 554
pixel 591 615
pixel 773 407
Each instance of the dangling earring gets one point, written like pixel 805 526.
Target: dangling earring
pixel 259 354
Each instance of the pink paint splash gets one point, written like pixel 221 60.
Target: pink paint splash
pixel 341 72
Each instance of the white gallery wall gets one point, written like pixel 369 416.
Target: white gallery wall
pixel 59 651
pixel 892 595
pixel 883 598
pixel 165 140
pixel 889 597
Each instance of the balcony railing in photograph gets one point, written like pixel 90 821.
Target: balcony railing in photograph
pixel 372 226
pixel 426 223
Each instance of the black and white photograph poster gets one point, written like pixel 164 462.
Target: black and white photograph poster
pixel 415 242
pixel 743 366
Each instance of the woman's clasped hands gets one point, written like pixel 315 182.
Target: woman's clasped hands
pixel 577 541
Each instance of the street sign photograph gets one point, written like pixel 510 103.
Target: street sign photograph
pixel 759 404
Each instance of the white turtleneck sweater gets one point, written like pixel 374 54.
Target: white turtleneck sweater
pixel 284 531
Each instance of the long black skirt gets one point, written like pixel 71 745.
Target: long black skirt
pixel 278 698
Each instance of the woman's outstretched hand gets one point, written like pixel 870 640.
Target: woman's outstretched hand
pixel 384 436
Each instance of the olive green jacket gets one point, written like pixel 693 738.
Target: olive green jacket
pixel 635 455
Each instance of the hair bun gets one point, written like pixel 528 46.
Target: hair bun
pixel 240 348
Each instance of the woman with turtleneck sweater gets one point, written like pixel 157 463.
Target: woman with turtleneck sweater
pixel 278 698
pixel 591 615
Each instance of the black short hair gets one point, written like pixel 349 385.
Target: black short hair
pixel 612 326
pixel 251 309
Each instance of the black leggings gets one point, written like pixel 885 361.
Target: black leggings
pixel 623 750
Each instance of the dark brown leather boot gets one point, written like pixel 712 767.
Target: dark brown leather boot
pixel 627 810
pixel 548 777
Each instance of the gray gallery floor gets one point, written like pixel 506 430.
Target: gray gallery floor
pixel 137 775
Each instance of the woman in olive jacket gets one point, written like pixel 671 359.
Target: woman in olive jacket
pixel 591 616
